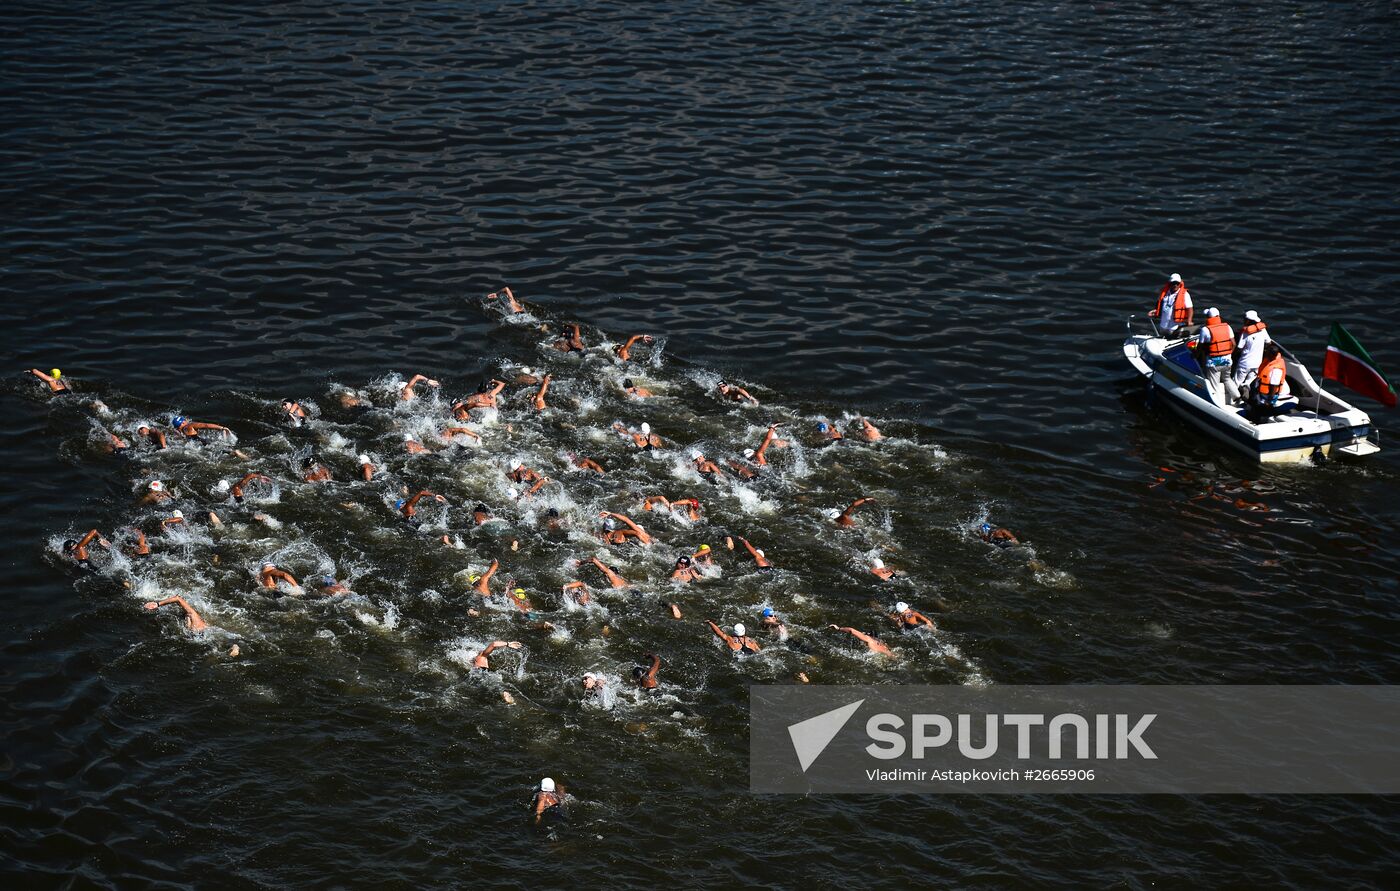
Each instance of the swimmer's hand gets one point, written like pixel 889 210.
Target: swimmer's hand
pixel 515 645
pixel 151 604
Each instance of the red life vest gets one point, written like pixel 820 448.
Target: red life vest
pixel 1251 328
pixel 1221 344
pixel 1179 309
pixel 1266 371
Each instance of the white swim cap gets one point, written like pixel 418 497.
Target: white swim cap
pixel 156 485
pixel 695 455
pixel 546 785
pixel 363 459
pixel 646 429
pixel 1251 316
pixel 748 453
pixel 525 369
pixel 759 551
pixel 1176 277
pixel 588 675
pixel 901 607
pixel 1212 312
pixel 177 514
pixel 739 629
pixel 515 465
pixel 878 563
pixel 832 513
pixel 408 437
pixel 513 492
pixel 221 487
pixel 269 566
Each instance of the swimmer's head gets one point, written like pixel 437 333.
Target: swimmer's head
pixel 703 548
pixel 901 607
pixel 327 581
pixel 143 429
pixel 481 509
pixel 767 612
pixel 70 546
pixel 552 512
pixel 177 421
pixel 519 593
pixel 363 459
pixel 269 566
pixel 515 465
pixel 985 528
pixel 683 561
pixel 759 552
pixel 55 373
pixel 646 429
pixel 398 505
pixel 878 563
pixel 589 676
pixel 748 453
pixel 222 487
pixel 288 403
pixel 546 785
pixel 821 427
pixel 177 514
pixel 408 437
pixel 695 455
pixel 626 383
pixel 740 630
pixel 156 486
pixel 525 369
pixel 609 524
pixel 831 513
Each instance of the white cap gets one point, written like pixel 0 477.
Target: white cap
pixel 695 455
pixel 156 485
pixel 408 437
pixel 831 513
pixel 178 514
pixel 515 465
pixel 588 676
pixel 221 486
pixel 878 563
pixel 525 369
pixel 646 429
pixel 759 551
pixel 1251 316
pixel 546 785
pixel 1176 277
pixel 1212 312
pixel 748 453
pixel 363 459
pixel 513 492
pixel 269 566
pixel 901 607
pixel 739 629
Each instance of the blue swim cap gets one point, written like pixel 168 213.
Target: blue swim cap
pixel 986 527
pixel 822 426
pixel 177 421
pixel 767 611
pixel 398 504
pixel 328 580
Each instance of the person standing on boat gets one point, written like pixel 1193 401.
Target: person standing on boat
pixel 1253 336
pixel 1174 307
pixel 1270 386
pixel 1215 348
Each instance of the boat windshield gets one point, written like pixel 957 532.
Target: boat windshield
pixel 1181 355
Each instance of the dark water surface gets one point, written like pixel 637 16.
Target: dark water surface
pixel 937 213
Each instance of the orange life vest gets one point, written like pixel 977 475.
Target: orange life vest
pixel 1179 309
pixel 1221 344
pixel 1251 328
pixel 1266 371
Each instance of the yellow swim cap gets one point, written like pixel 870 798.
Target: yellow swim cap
pixel 520 593
pixel 474 577
pixel 704 547
pixel 55 372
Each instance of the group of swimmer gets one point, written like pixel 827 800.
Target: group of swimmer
pixel 615 529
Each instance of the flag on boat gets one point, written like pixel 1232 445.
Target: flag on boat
pixel 1350 365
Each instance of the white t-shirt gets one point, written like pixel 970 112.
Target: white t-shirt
pixel 1252 349
pixel 1205 333
pixel 1169 308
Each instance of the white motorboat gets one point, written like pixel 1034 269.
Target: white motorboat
pixel 1310 422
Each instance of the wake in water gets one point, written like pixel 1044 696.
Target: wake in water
pixel 593 504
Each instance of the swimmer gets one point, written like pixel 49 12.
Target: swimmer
pixel 519 473
pixel 526 377
pixel 54 379
pixel 483 584
pixel 997 535
pixel 610 573
pixel 633 390
pixel 193 429
pixel 176 518
pixel 553 523
pixel 773 624
pixel 736 393
pixel 546 802
pixel 269 575
pixel 538 401
pixel 193 620
pixel 520 600
pixel 410 507
pixel 703 556
pixel 769 439
pixel 481 514
pixel 586 464
pixel 624 352
pixel 366 467
pixel 510 301
pixel 646 677
pixel 484 397
pixel 683 572
pixel 140 548
pixel 480 660
pixel 327 586
pixel 880 570
pixel 407 394
pixel 155 493
pixel 844 517
pixel 237 488
pixel 78 550
pixel 582 597
pixel 906 619
pixel 738 642
pixel 314 472
pixel 593 684
pixel 613 535
pixel 758 557
pixel 743 471
pixel 571 341
pixel 874 645
pixel 113 444
pixel 642 438
pixel 828 431
pixel 157 437
pixel 295 413
pixel 691 505
pixel 349 399
pixel 459 431
pixel 868 431
pixel 705 467
pixel 413 446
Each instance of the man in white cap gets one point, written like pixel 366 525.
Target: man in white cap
pixel 1253 335
pixel 738 642
pixel 907 619
pixel 1174 307
pixel 547 801
pixel 1215 346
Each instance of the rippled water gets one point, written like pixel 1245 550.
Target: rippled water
pixel 935 213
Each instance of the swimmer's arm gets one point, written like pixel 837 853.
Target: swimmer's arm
pixel 87 539
pixel 537 486
pixel 921 618
pixel 571 586
pixel 750 548
pixel 746 394
pixel 499 386
pixel 159 436
pixel 193 619
pixel 48 379
pixel 454 431
pixel 205 425
pixel 249 477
